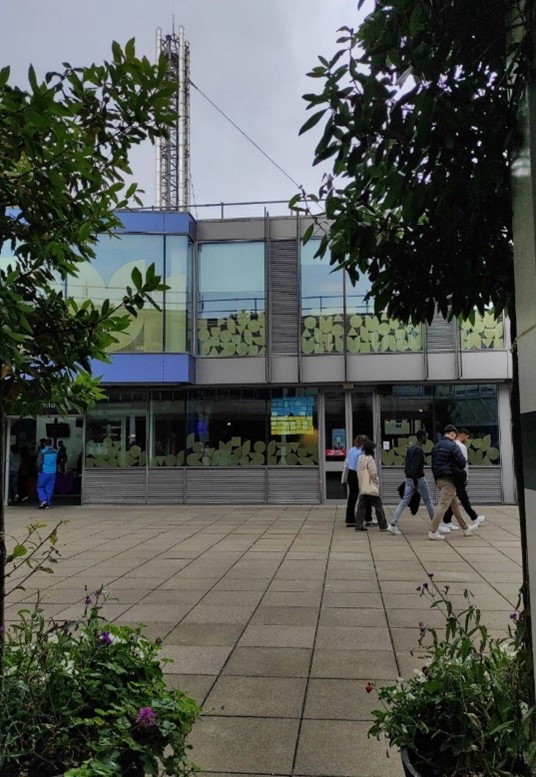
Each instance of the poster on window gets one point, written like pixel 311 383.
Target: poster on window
pixel 338 444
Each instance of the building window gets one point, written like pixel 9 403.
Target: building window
pixel 407 408
pixel 226 428
pixel 322 301
pixel 293 428
pixel 178 295
pixel 116 431
pixel 168 413
pixel 485 333
pixel 107 277
pixel 231 299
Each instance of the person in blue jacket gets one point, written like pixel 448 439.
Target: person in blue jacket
pixel 47 465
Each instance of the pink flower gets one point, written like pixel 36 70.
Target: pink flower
pixel 369 687
pixel 146 717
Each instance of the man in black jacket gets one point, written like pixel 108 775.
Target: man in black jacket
pixel 415 481
pixel 447 462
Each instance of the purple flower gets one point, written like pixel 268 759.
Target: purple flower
pixel 514 616
pixel 447 588
pixel 425 586
pixel 88 600
pixel 106 638
pixel 430 575
pixel 419 588
pixel 146 717
pixel 422 627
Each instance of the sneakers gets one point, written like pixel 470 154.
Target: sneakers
pixel 435 535
pixel 392 529
pixel 444 528
pixel 478 520
pixel 372 522
pixel 453 526
pixel 43 506
pixel 470 529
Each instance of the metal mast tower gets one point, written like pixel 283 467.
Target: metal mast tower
pixel 173 153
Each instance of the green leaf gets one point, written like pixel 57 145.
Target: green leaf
pixel 312 121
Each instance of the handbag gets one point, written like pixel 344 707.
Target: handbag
pixel 344 473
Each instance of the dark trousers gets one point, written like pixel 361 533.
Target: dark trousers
pixel 353 494
pixel 365 504
pixel 461 493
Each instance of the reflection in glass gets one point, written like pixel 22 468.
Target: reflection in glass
pixel 301 448
pixel 231 299
pixel 107 277
pixel 178 297
pixel 116 433
pixel 322 302
pixel 169 430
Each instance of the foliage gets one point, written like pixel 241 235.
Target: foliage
pixel 63 161
pixel 419 108
pixel 33 553
pixel 467 712
pixel 89 699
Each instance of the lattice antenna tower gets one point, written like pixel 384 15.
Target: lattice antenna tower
pixel 173 153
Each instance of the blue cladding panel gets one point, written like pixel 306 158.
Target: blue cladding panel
pixel 146 368
pixel 158 222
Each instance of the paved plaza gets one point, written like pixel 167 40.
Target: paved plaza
pixel 275 617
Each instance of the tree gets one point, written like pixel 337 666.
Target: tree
pixel 64 145
pixel 421 108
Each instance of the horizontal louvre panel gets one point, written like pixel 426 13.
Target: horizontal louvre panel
pixel 441 335
pixel 217 485
pixel 114 486
pixel 484 486
pixel 293 485
pixel 283 297
pixel 166 486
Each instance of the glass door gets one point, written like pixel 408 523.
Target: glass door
pixel 335 443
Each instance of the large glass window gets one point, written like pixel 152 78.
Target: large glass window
pixel 169 429
pixel 485 333
pixel 322 300
pixel 362 421
pixel 227 428
pixel 293 432
pixel 178 297
pixel 231 299
pixel 407 408
pixel 116 431
pixel 335 426
pixel 107 277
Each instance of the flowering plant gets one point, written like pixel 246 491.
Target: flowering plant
pixel 466 712
pixel 89 699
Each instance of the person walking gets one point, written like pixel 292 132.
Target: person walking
pixel 460 481
pixel 369 488
pixel 47 464
pixel 14 471
pixel 447 459
pixel 415 481
pixel 352 483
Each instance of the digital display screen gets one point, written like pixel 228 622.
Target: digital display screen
pixel 292 415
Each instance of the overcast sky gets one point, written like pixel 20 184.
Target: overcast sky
pixel 249 56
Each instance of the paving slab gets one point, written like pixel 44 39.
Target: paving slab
pixel 276 616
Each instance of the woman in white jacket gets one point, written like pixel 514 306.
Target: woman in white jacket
pixel 369 488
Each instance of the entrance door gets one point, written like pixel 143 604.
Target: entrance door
pixel 24 435
pixel 336 443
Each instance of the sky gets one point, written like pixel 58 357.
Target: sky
pixel 250 57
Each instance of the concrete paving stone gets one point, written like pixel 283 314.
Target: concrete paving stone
pixel 196 686
pixel 250 745
pixel 295 585
pixel 157 613
pixel 352 616
pixel 174 595
pixel 345 664
pixel 366 600
pixel 412 618
pixel 269 662
pixel 237 584
pixel 405 638
pixel 278 636
pixel 233 597
pixel 348 637
pixel 205 634
pixel 341 699
pixel 281 616
pixel 292 598
pixel 367 573
pixel 188 583
pixel 342 749
pixel 205 613
pixel 195 659
pixel 109 611
pixel 352 586
pixel 263 697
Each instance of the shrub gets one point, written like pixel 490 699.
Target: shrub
pixel 89 699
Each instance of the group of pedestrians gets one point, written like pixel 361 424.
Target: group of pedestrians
pixel 449 469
